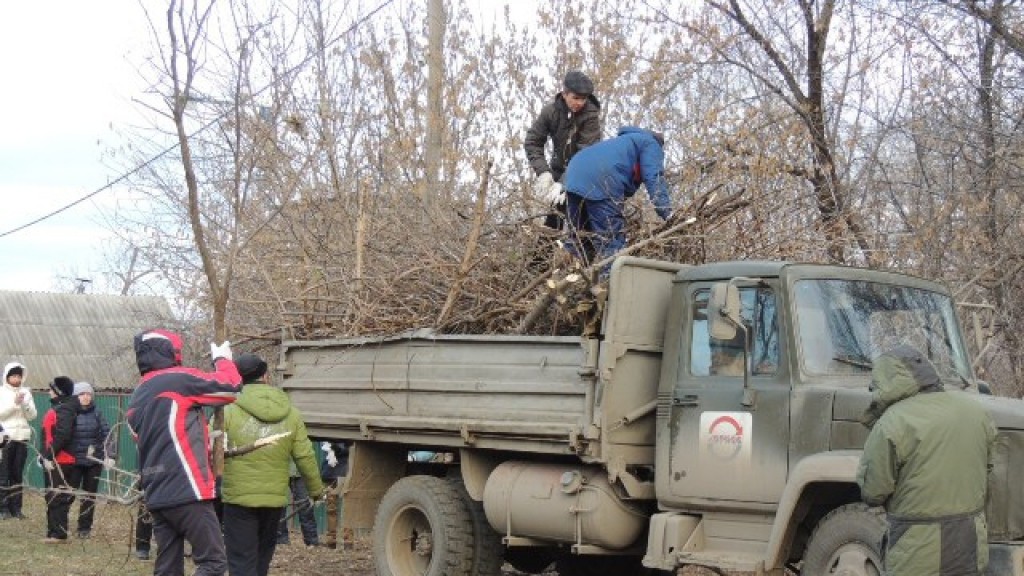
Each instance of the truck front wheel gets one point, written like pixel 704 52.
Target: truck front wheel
pixel 423 528
pixel 847 542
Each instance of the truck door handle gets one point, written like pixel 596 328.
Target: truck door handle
pixel 688 400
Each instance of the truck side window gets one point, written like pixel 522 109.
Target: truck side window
pixel 713 357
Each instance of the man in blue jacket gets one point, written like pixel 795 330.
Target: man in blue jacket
pixel 166 417
pixel 601 177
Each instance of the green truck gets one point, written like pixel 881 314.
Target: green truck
pixel 713 420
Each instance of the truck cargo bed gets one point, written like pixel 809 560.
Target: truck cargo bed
pixel 500 392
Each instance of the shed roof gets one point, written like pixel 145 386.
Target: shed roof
pixel 87 337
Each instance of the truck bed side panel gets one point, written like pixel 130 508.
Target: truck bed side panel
pixel 506 392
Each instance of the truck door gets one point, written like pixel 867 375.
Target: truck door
pixel 721 448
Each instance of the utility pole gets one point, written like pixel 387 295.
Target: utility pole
pixel 435 86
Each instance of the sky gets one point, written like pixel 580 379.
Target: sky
pixel 68 87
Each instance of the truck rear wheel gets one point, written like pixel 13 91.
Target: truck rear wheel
pixel 423 528
pixel 488 551
pixel 847 542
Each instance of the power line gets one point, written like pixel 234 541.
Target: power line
pixel 201 129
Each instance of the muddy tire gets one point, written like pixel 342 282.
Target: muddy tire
pixel 847 542
pixel 488 551
pixel 423 528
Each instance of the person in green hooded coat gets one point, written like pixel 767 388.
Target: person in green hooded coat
pixel 926 460
pixel 264 434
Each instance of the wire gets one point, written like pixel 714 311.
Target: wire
pixel 201 129
pixel 119 179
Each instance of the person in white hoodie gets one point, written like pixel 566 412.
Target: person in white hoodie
pixel 17 409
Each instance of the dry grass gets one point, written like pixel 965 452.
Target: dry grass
pixel 108 550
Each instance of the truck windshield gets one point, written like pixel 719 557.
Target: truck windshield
pixel 842 325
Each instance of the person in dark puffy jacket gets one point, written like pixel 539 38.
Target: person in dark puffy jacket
pixel 600 179
pixel 166 417
pixel 572 121
pixel 93 451
pixel 57 460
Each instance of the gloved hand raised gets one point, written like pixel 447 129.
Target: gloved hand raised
pixel 109 463
pixel 542 184
pixel 555 194
pixel 222 351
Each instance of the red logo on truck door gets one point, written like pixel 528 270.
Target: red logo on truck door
pixel 726 435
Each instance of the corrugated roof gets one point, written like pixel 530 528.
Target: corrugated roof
pixel 83 336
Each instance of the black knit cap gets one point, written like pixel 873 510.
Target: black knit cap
pixel 62 386
pixel 251 367
pixel 17 370
pixel 578 82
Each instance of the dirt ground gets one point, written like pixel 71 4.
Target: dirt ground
pixel 108 551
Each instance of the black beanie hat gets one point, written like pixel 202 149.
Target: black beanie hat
pixel 578 82
pixel 63 386
pixel 251 367
pixel 17 370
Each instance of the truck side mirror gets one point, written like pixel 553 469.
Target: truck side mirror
pixel 724 311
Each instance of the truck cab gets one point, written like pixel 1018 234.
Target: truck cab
pixel 758 429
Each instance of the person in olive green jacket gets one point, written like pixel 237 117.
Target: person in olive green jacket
pixel 264 434
pixel 926 460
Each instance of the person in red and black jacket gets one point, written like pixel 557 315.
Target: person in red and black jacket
pixel 166 417
pixel 58 427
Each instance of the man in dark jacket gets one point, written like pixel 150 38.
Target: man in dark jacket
pixel 572 122
pixel 601 178
pixel 926 460
pixel 165 415
pixel 58 462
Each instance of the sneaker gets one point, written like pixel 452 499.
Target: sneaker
pixel 142 554
pixel 84 534
pixel 19 516
pixel 53 540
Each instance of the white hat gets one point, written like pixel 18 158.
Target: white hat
pixel 83 387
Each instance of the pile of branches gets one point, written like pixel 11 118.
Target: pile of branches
pixel 478 273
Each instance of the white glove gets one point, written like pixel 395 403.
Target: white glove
pixel 109 463
pixel 542 184
pixel 555 194
pixel 222 351
pixel 48 465
pixel 332 458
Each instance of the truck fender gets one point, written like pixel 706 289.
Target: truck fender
pixel 475 467
pixel 839 466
